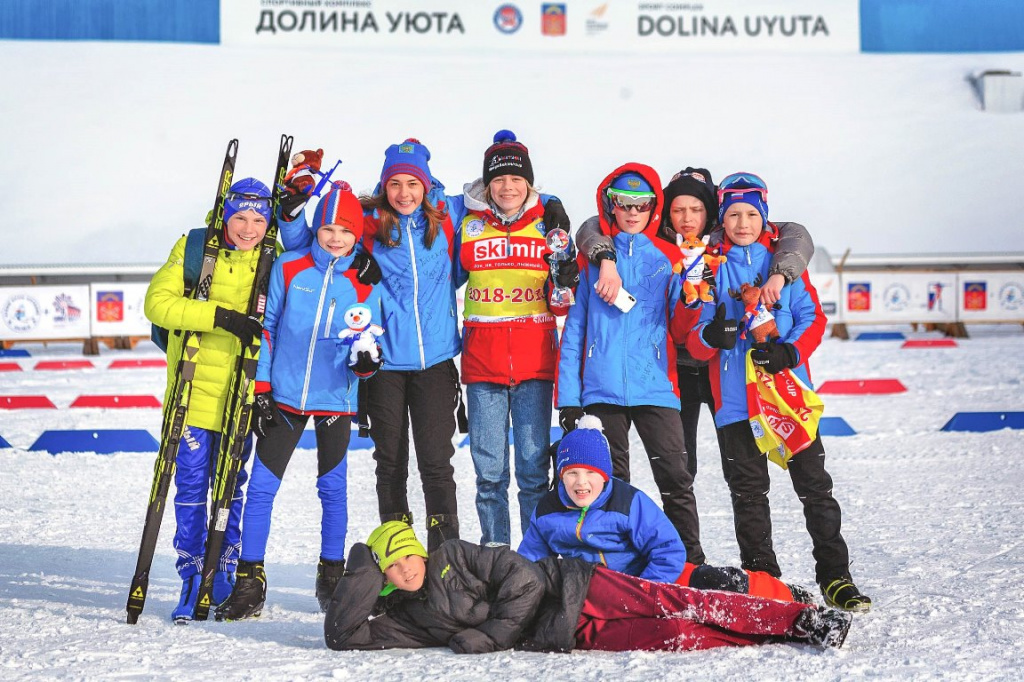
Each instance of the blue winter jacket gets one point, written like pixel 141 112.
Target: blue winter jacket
pixel 623 529
pixel 302 358
pixel 417 288
pixel 627 359
pixel 799 319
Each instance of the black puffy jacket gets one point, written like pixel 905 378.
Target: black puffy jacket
pixel 474 599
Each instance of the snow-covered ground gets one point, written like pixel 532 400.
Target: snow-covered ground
pixel 932 519
pixel 111 150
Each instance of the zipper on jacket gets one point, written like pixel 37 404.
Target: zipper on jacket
pixel 625 324
pixel 328 278
pixel 590 353
pixel 415 292
pixel 579 523
pixel 330 317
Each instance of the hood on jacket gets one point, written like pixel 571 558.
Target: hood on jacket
pixel 604 204
pixel 477 203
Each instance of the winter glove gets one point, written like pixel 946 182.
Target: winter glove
pixel 365 365
pixel 293 199
pixel 471 641
pixel 265 407
pixel 244 327
pixel 774 357
pixel 567 418
pixel 720 332
pixel 367 270
pixel 568 272
pixel 555 217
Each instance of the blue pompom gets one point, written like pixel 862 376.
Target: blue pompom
pixel 504 136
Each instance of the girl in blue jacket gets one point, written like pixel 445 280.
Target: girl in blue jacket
pixel 305 370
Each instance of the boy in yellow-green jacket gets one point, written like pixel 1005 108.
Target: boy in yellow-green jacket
pixel 224 324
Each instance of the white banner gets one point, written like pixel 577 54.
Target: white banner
pixel 991 296
pixel 118 309
pixel 572 26
pixel 44 312
pixel 899 297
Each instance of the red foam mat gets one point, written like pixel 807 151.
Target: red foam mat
pixel 64 364
pixel 10 367
pixel 929 343
pixel 25 402
pixel 116 401
pixel 862 386
pixel 133 364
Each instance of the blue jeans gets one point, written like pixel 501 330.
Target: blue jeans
pixel 489 407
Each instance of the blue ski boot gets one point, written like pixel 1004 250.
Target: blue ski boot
pixel 223 583
pixel 186 608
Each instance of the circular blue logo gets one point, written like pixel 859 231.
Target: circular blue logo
pixel 508 18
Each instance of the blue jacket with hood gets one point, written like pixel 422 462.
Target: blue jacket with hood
pixel 623 529
pixel 302 361
pixel 626 359
pixel 417 288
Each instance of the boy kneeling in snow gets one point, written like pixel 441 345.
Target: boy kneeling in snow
pixel 475 599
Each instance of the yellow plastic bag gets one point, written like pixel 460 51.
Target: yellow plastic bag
pixel 784 412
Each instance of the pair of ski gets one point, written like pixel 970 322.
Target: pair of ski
pixel 238 407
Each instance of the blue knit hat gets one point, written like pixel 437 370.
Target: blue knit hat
pixel 585 447
pixel 248 194
pixel 409 157
pixel 744 188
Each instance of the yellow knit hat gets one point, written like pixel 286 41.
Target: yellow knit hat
pixel 392 541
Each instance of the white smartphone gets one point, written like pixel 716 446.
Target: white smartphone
pixel 624 301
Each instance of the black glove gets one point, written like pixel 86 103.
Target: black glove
pixel 265 407
pixel 555 216
pixel 773 357
pixel 291 202
pixel 567 418
pixel 720 332
pixel 365 365
pixel 568 272
pixel 472 641
pixel 367 270
pixel 244 327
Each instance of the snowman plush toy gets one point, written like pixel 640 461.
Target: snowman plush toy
pixel 361 337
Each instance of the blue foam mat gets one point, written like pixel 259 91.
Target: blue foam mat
pixel 14 353
pixel 985 421
pixel 835 426
pixel 100 441
pixel 880 336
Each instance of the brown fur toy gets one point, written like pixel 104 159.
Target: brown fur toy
pixel 756 318
pixel 305 166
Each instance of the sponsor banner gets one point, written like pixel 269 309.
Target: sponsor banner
pixel 827 286
pixel 570 26
pixel 44 312
pixel 991 296
pixel 118 309
pixel 899 297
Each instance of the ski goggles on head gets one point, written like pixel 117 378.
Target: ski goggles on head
pixel 641 201
pixel 741 183
pixel 235 202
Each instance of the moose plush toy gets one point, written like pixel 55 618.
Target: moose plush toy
pixel 757 319
pixel 696 266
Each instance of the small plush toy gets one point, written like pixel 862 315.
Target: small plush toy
pixel 305 168
pixel 361 334
pixel 696 266
pixel 757 319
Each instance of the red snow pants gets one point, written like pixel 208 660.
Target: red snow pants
pixel 624 613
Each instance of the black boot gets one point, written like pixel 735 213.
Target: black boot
pixel 801 594
pixel 440 528
pixel 249 594
pixel 404 517
pixel 843 594
pixel 822 627
pixel 328 573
